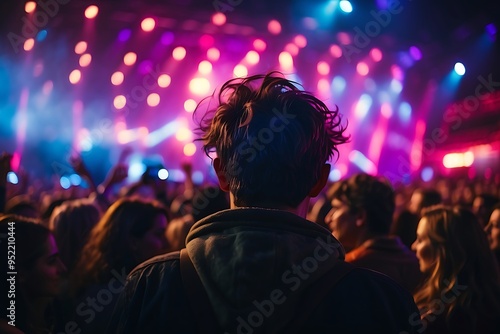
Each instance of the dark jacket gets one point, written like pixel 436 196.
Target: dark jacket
pixel 256 266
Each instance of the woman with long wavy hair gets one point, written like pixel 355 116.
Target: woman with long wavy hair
pixel 461 293
pixel 130 232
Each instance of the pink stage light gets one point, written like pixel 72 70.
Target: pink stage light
pixel 30 7
pixel 179 53
pixel 362 68
pixel 274 27
pixel 189 149
pixel 164 80
pixel 213 54
pixel 80 47
pixel 323 68
pixel 376 54
pixel 130 58
pixel 218 19
pixel 75 76
pixel 259 45
pixel 91 11
pixel 252 57
pixel 85 60
pixel 300 41
pixel 335 51
pixel 29 44
pixel 148 24
pixel 117 78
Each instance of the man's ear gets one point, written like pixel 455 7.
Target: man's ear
pixel 323 178
pixel 361 218
pixel 224 185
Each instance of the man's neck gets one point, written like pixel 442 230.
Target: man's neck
pixel 301 210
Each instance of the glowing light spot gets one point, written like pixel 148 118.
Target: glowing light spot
pixel 404 112
pixel 362 68
pixel 42 34
pixel 415 53
pixel 335 175
pixel 163 174
pixel 164 80
pixel 80 47
pixel 179 53
pixel 274 27
pixel 300 41
pixel 64 182
pixel 75 179
pixel 323 85
pixel 360 160
pixel 386 110
pixel 427 174
pixel 240 71
pixel 153 99
pixel 259 45
pixel 218 19
pixel 396 86
pixel 30 7
pixel 124 35
pixel 338 84
pixel 199 86
pixel 29 44
pixel 117 78
pixel 119 102
pixel 323 68
pixel 460 68
pixel 130 58
pixel 344 38
pixel 189 149
pixel 292 49
pixel 397 73
pixel 205 67
pixel 376 54
pixel 336 51
pixel 286 61
pixel 12 178
pixel 47 87
pixel 456 160
pixel 363 106
pixel 345 6
pixel 148 24
pixel 85 60
pixel 183 134
pixel 190 105
pixel 213 54
pixel 370 85
pixel 252 57
pixel 167 38
pixel 75 76
pixel 91 11
pixel 206 41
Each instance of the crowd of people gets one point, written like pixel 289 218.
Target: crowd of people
pixel 253 254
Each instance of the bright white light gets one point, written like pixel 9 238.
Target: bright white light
pixel 345 6
pixel 163 174
pixel 136 170
pixel 460 68
pixel 335 175
pixel 12 178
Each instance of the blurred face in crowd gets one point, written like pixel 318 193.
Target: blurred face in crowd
pixel 493 231
pixel 45 278
pixel 415 202
pixel 153 242
pixel 423 247
pixel 342 223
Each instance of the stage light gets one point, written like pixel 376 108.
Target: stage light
pixel 117 78
pixel 274 27
pixel 456 160
pixel 362 68
pixel 85 60
pixel 12 178
pixel 163 174
pixel 460 68
pixel 167 38
pixel 376 54
pixel 183 134
pixel 91 11
pixel 386 110
pixel 30 7
pixel 119 102
pixel 404 112
pixel 323 68
pixel 148 24
pixel 292 49
pixel 189 149
pixel 240 71
pixel 47 87
pixel 80 47
pixel 323 86
pixel 64 182
pixel 427 174
pixel 252 57
pixel 363 106
pixel 29 44
pixel 199 86
pixel 415 53
pixel 345 6
pixel 75 179
pixel 218 19
pixel 75 76
pixel 205 67
pixel 360 160
pixel 259 45
pixel 397 73
pixel 300 41
pixel 213 54
pixel 130 58
pixel 344 38
pixel 335 175
pixel 164 80
pixel 124 35
pixel 179 53
pixel 396 86
pixel 338 84
pixel 206 41
pixel 190 105
pixel 153 99
pixel 286 61
pixel 335 51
